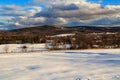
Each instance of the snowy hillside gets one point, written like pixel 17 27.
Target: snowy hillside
pixel 68 65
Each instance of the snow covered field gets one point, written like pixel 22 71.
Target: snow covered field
pixel 16 48
pixel 68 65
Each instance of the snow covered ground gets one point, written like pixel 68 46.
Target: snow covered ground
pixel 69 65
pixel 63 35
pixel 17 47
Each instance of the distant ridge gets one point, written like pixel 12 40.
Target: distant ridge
pixel 55 29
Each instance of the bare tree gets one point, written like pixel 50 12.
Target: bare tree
pixel 24 48
pixel 6 48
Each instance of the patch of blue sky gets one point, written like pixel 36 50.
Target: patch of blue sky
pixel 14 2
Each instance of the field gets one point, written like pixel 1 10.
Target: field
pixel 101 64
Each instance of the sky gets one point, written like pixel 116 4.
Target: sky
pixel 15 14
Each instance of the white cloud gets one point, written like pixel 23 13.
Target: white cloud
pixel 86 12
pixel 61 12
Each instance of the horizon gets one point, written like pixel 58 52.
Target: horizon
pixel 29 13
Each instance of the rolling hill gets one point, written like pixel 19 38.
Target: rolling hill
pixel 54 30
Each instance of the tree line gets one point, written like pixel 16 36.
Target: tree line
pixel 77 41
pixel 87 41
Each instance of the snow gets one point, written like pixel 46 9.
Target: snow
pixel 63 35
pixel 17 47
pixel 100 64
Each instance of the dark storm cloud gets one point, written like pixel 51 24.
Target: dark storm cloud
pixel 1 23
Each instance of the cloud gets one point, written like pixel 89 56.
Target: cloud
pixel 11 7
pixel 79 10
pixel 60 12
pixel 66 7
pixel 1 23
pixel 11 14
pixel 51 2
